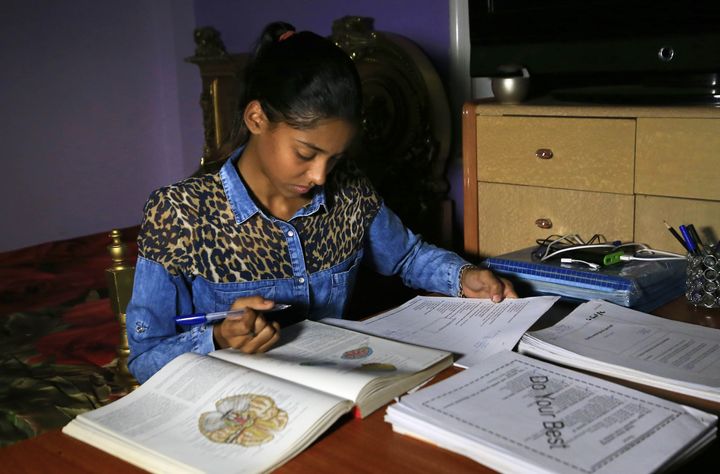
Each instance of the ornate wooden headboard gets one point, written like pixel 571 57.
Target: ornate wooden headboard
pixel 221 75
pixel 406 123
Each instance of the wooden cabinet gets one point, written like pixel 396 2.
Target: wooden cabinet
pixel 549 151
pixel 531 171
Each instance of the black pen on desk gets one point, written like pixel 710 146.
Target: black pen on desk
pixel 200 318
pixel 677 236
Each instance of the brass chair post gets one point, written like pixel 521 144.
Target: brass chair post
pixel 120 281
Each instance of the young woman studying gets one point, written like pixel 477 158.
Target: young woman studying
pixel 287 219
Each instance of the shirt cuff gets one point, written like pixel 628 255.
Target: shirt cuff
pixel 202 336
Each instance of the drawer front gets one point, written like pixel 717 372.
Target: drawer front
pixel 585 154
pixel 651 211
pixel 507 215
pixel 678 157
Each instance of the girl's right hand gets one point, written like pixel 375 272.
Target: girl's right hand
pixel 249 332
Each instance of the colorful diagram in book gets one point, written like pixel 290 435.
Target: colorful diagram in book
pixel 363 353
pixel 359 353
pixel 247 419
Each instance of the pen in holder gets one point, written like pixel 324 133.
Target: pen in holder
pixel 702 285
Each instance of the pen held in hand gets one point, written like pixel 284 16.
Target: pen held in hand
pixel 200 318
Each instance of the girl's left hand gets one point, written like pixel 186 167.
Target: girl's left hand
pixel 482 283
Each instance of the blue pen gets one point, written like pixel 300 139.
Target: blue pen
pixel 696 238
pixel 688 239
pixel 200 318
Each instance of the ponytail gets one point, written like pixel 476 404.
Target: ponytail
pixel 298 78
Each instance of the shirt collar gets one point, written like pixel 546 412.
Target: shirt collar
pixel 243 205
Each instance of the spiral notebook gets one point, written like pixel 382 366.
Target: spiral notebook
pixel 642 285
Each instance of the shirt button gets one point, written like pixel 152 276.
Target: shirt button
pixel 301 280
pixel 290 233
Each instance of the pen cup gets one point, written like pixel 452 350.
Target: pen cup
pixel 702 285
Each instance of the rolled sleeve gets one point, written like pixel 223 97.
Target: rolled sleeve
pixel 393 249
pixel 153 336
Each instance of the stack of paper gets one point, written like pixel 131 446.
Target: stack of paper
pixel 517 414
pixel 609 339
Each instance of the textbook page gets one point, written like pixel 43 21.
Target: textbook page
pixel 513 413
pixel 473 328
pixel 625 343
pixel 202 414
pixel 345 363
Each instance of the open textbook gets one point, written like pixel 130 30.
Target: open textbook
pixel 619 342
pixel 233 412
pixel 516 414
pixel 472 328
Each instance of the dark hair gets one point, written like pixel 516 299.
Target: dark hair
pixel 298 78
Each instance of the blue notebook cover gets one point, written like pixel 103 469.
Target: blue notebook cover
pixel 643 285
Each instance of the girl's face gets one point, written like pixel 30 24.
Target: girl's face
pixel 292 161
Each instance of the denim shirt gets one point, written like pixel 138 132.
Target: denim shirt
pixel 205 242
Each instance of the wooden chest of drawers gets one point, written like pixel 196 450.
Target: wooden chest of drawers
pixel 531 171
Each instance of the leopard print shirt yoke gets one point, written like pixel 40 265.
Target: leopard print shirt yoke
pixel 190 229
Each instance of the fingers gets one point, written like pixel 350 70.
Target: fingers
pixel 254 302
pixel 274 327
pixel 238 328
pixel 482 283
pixel 500 289
pixel 494 288
pixel 262 337
pixel 508 289
pixel 249 332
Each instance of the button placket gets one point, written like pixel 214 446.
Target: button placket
pixel 296 255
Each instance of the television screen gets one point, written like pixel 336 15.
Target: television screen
pixel 646 50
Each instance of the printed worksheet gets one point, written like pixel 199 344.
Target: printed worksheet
pixel 517 414
pixel 474 329
pixel 625 343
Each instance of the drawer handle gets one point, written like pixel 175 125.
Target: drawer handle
pixel 544 153
pixel 543 223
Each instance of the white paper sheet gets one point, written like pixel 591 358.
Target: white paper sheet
pixel 472 328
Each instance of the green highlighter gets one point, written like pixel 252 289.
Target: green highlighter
pixel 604 257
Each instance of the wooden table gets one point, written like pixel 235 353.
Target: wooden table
pixel 352 445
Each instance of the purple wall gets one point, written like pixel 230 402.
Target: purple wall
pixel 98 107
